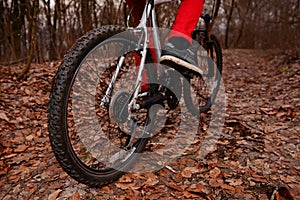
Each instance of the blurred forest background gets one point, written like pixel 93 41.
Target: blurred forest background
pixel 43 30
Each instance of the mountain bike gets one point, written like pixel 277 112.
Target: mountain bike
pixel 109 91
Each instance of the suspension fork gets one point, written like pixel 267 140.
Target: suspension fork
pixel 106 99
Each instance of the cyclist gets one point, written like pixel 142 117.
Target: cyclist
pixel 179 40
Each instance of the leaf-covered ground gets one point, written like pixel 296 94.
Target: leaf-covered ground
pixel 256 157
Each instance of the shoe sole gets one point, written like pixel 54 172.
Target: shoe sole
pixel 181 63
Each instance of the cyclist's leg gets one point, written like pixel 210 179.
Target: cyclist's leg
pixel 187 18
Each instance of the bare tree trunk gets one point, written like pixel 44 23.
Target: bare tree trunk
pixel 228 23
pixel 59 30
pixel 7 34
pixel 86 16
pixel 118 11
pixel 216 11
pixel 32 46
pixel 1 29
pixel 94 8
pixel 54 33
pixel 52 27
pixel 125 13
pixel 241 31
pixel 17 24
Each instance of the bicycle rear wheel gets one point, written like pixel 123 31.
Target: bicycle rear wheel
pixel 205 86
pixel 90 133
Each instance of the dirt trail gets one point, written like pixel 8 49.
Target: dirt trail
pixel 258 149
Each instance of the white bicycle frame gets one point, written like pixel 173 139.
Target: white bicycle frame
pixel 148 14
pixel 149 10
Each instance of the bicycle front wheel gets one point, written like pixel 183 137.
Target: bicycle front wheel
pixel 90 133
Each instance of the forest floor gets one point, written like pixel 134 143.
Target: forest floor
pixel 257 155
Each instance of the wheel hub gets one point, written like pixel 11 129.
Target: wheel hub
pixel 118 108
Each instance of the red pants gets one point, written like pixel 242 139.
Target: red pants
pixel 186 19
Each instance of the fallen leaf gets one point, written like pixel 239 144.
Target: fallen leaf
pixel 29 138
pixel 125 186
pixel 54 195
pixel 215 182
pixel 20 148
pixel 24 157
pixel 227 187
pixel 75 196
pixel 174 186
pixel 239 189
pixel 281 115
pixel 234 182
pixel 55 185
pixel 151 182
pixel 4 117
pixel 268 111
pixel 259 179
pixel 150 175
pixel 288 179
pixel 199 188
pixel 188 171
pixel 214 173
pixel 126 179
pixel 190 195
pixel 269 129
